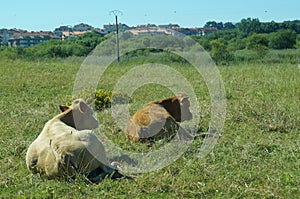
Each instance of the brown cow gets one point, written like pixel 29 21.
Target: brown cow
pixel 67 145
pixel 159 119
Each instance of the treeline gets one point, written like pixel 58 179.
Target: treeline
pixel 251 25
pixel 251 39
pixel 74 46
pixel 235 39
pixel 251 32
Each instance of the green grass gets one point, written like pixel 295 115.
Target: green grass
pixel 257 156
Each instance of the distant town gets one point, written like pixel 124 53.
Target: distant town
pixel 23 38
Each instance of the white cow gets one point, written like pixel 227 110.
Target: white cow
pixel 67 146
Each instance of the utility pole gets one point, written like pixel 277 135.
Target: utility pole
pixel 116 13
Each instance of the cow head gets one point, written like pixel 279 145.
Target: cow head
pixel 79 115
pixel 177 106
pixel 184 103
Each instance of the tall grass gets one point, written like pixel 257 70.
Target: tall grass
pixel 257 155
pixel 268 57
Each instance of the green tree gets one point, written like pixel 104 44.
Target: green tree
pixel 249 26
pixel 269 27
pixel 204 42
pixel 213 24
pixel 283 39
pixel 292 25
pixel 210 24
pixel 228 26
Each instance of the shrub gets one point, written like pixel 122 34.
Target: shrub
pixel 257 40
pixel 9 53
pixel 219 53
pixel 236 44
pixel 261 50
pixel 283 39
pixel 101 99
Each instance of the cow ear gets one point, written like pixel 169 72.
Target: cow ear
pixel 184 98
pixel 83 107
pixel 63 108
pixel 181 97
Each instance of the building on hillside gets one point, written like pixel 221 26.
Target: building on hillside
pixel 190 31
pixel 169 26
pixel 68 34
pixel 66 31
pixel 208 30
pixel 146 27
pixel 28 39
pixel 154 29
pixel 196 31
pixel 58 31
pixel 170 29
pixel 63 28
pixel 100 31
pixel 8 33
pixel 111 27
pixel 82 27
pixel 150 31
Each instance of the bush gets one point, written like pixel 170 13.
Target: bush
pixel 298 42
pixel 245 56
pixel 236 44
pixel 101 99
pixel 219 53
pixel 7 52
pixel 283 39
pixel 105 98
pixel 261 50
pixel 257 40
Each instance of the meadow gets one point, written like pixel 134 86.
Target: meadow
pixel 257 156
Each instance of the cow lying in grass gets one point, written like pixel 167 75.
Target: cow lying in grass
pixel 159 119
pixel 67 146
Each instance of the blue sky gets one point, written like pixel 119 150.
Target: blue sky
pixel 38 15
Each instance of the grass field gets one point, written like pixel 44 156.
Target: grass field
pixel 257 156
